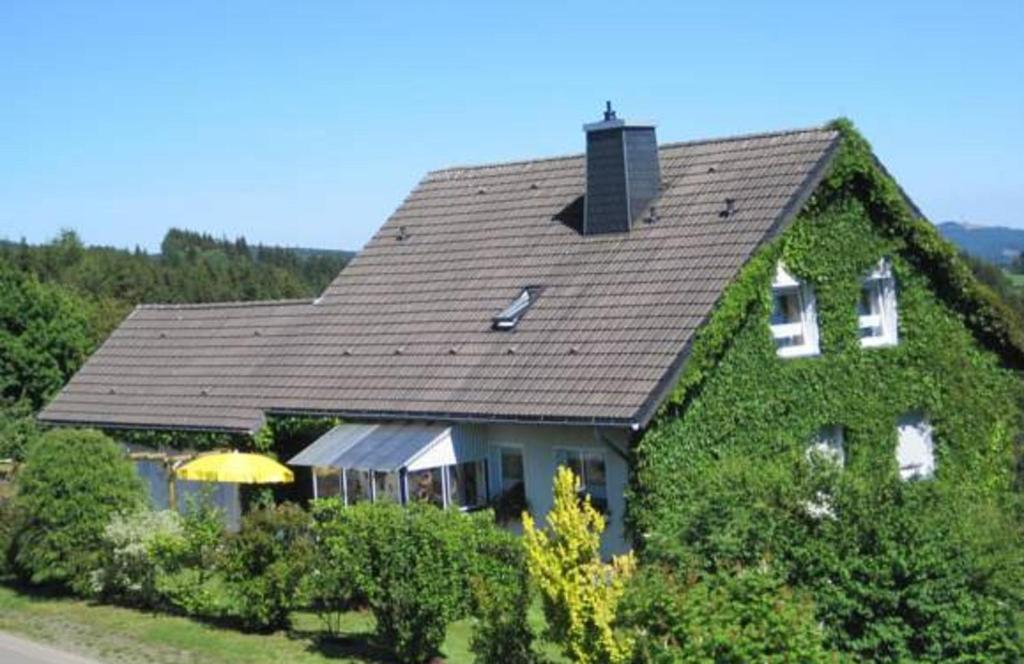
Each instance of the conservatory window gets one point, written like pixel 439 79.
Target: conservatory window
pixel 915 449
pixel 876 310
pixel 426 486
pixel 326 482
pixel 589 467
pixel 828 445
pixel 356 485
pixel 794 319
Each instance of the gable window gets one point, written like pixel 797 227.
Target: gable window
pixel 589 467
pixel 794 321
pixel 876 310
pixel 915 449
pixel 508 318
pixel 828 445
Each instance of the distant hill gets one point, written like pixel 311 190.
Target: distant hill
pixel 996 244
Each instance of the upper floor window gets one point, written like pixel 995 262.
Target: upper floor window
pixel 915 449
pixel 828 444
pixel 794 318
pixel 876 311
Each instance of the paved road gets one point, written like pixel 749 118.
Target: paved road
pixel 15 650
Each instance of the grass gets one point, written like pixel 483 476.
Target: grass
pixel 114 634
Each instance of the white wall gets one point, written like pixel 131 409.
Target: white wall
pixel 538 444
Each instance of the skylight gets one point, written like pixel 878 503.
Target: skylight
pixel 509 317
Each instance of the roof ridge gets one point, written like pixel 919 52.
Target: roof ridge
pixel 221 305
pixel 661 146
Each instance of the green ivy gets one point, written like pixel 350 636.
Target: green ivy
pixel 957 348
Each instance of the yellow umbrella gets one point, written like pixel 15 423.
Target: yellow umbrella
pixel 235 467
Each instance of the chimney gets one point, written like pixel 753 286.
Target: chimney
pixel 623 175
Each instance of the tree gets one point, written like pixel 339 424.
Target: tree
pixel 44 337
pixel 72 483
pixel 580 592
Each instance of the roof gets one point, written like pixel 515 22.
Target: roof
pixel 405 330
pixel 377 447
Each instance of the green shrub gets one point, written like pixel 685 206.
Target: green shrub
pixel 898 571
pixel 265 563
pixel 187 579
pixel 71 484
pixel 503 634
pixel 415 567
pixel 727 618
pixel 134 547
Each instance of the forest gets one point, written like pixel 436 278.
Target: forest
pixel 60 300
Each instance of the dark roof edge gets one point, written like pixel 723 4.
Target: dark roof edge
pixel 471 418
pixel 231 304
pixel 661 146
pixel 69 422
pixel 796 202
pixel 467 418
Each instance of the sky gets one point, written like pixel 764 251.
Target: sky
pixel 306 123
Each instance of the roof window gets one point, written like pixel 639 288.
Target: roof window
pixel 509 317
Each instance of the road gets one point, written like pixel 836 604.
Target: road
pixel 15 650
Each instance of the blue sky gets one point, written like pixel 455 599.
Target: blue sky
pixel 306 123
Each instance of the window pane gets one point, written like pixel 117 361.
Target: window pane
pixel 571 461
pixel 425 486
pixel 511 469
pixel 465 484
pixel 787 307
pixel 828 446
pixel 328 482
pixel 358 484
pixel 915 449
pixel 869 308
pixel 386 487
pixel 594 477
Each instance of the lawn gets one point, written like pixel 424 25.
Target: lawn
pixel 117 635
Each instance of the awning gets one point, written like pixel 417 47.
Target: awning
pixel 380 447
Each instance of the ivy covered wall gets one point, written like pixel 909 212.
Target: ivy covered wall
pixel 951 363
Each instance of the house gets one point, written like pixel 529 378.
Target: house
pixel 512 317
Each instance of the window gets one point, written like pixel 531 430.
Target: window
pixel 509 317
pixel 385 487
pixel 357 486
pixel 426 486
pixel 326 482
pixel 589 466
pixel 828 445
pixel 876 310
pixel 794 319
pixel 512 472
pixel 915 449
pixel 466 485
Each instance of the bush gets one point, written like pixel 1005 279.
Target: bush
pixel 265 563
pixel 415 567
pixel 187 580
pixel 729 617
pixel 923 571
pixel 134 545
pixel 580 592
pixel 72 483
pixel 503 634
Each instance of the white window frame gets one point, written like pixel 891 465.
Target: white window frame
pixel 446 484
pixel 887 320
pixel 915 447
pixel 807 326
pixel 829 443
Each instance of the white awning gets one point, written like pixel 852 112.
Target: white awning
pixel 380 447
